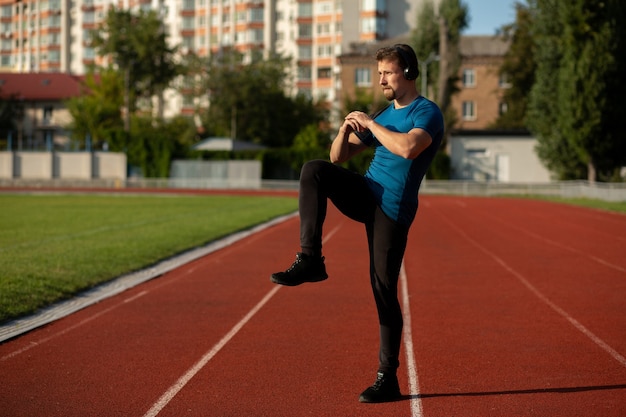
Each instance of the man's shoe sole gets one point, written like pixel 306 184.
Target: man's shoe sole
pixel 277 280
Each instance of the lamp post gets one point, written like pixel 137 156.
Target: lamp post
pixel 424 70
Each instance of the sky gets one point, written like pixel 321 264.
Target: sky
pixel 486 16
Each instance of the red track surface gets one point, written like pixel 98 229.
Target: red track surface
pixel 516 308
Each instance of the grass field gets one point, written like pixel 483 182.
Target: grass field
pixel 53 246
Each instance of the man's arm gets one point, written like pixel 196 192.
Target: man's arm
pixel 346 143
pixel 407 145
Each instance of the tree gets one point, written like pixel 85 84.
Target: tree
pixel 438 32
pixel 137 45
pixel 248 100
pixel 518 69
pixel 577 100
pixel 9 107
pixel 97 111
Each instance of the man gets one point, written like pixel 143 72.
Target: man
pixel 406 136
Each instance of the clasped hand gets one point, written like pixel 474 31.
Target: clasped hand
pixel 358 121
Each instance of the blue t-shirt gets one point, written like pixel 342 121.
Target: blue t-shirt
pixel 394 180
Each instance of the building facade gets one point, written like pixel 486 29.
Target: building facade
pixel 481 87
pixel 54 35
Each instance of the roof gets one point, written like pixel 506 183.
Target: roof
pixel 488 45
pixel 470 46
pixel 40 86
pixel 225 144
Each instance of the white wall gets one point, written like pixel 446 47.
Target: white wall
pixel 493 157
pixel 62 165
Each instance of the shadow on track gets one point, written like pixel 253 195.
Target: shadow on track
pixel 564 390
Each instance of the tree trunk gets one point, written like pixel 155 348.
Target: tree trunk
pixel 444 63
pixel 591 172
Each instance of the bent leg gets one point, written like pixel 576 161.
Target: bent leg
pixel 319 181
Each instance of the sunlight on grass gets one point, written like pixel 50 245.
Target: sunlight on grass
pixel 53 246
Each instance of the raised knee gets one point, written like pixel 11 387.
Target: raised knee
pixel 311 168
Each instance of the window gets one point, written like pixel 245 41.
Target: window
pixel 188 22
pixel 378 5
pixel 324 50
pixel 325 7
pixel 469 77
pixel 503 81
pixel 323 28
pixel 502 108
pixel 304 31
pixel 304 73
pixel 255 35
pixel 47 114
pixel 305 10
pixel 323 72
pixel 363 77
pixel 256 15
pixel 477 153
pixel 304 52
pixel 469 111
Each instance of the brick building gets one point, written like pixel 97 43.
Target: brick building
pixel 479 101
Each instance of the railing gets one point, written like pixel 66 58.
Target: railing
pixel 565 189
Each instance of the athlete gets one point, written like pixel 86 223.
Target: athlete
pixel 405 136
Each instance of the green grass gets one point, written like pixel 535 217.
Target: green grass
pixel 617 206
pixel 53 246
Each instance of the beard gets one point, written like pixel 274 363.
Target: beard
pixel 389 93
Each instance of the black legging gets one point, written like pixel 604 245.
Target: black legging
pixel 321 180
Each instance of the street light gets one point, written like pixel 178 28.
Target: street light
pixel 424 70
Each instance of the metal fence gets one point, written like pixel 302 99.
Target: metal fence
pixel 566 189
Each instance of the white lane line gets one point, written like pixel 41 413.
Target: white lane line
pixel 125 282
pixel 595 339
pixel 414 387
pixel 183 380
pixel 68 329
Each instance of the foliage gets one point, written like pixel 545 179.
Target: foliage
pixel 441 167
pixel 363 100
pixel 137 45
pixel 310 137
pixel 518 69
pixel 248 100
pixel 8 109
pixel 97 111
pixel 576 104
pixel 434 26
pixel 156 143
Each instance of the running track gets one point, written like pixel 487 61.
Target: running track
pixel 512 308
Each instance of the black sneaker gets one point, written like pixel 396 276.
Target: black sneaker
pixel 385 389
pixel 304 269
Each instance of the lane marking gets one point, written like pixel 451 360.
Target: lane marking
pixel 69 329
pixel 118 285
pixel 563 246
pixel 197 367
pixel 577 325
pixel 414 388
pixel 183 380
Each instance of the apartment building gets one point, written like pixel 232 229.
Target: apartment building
pixel 53 35
pixel 479 101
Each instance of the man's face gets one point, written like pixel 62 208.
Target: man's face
pixel 391 79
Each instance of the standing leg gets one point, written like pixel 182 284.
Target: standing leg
pixel 387 243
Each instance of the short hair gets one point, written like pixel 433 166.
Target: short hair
pixel 404 55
